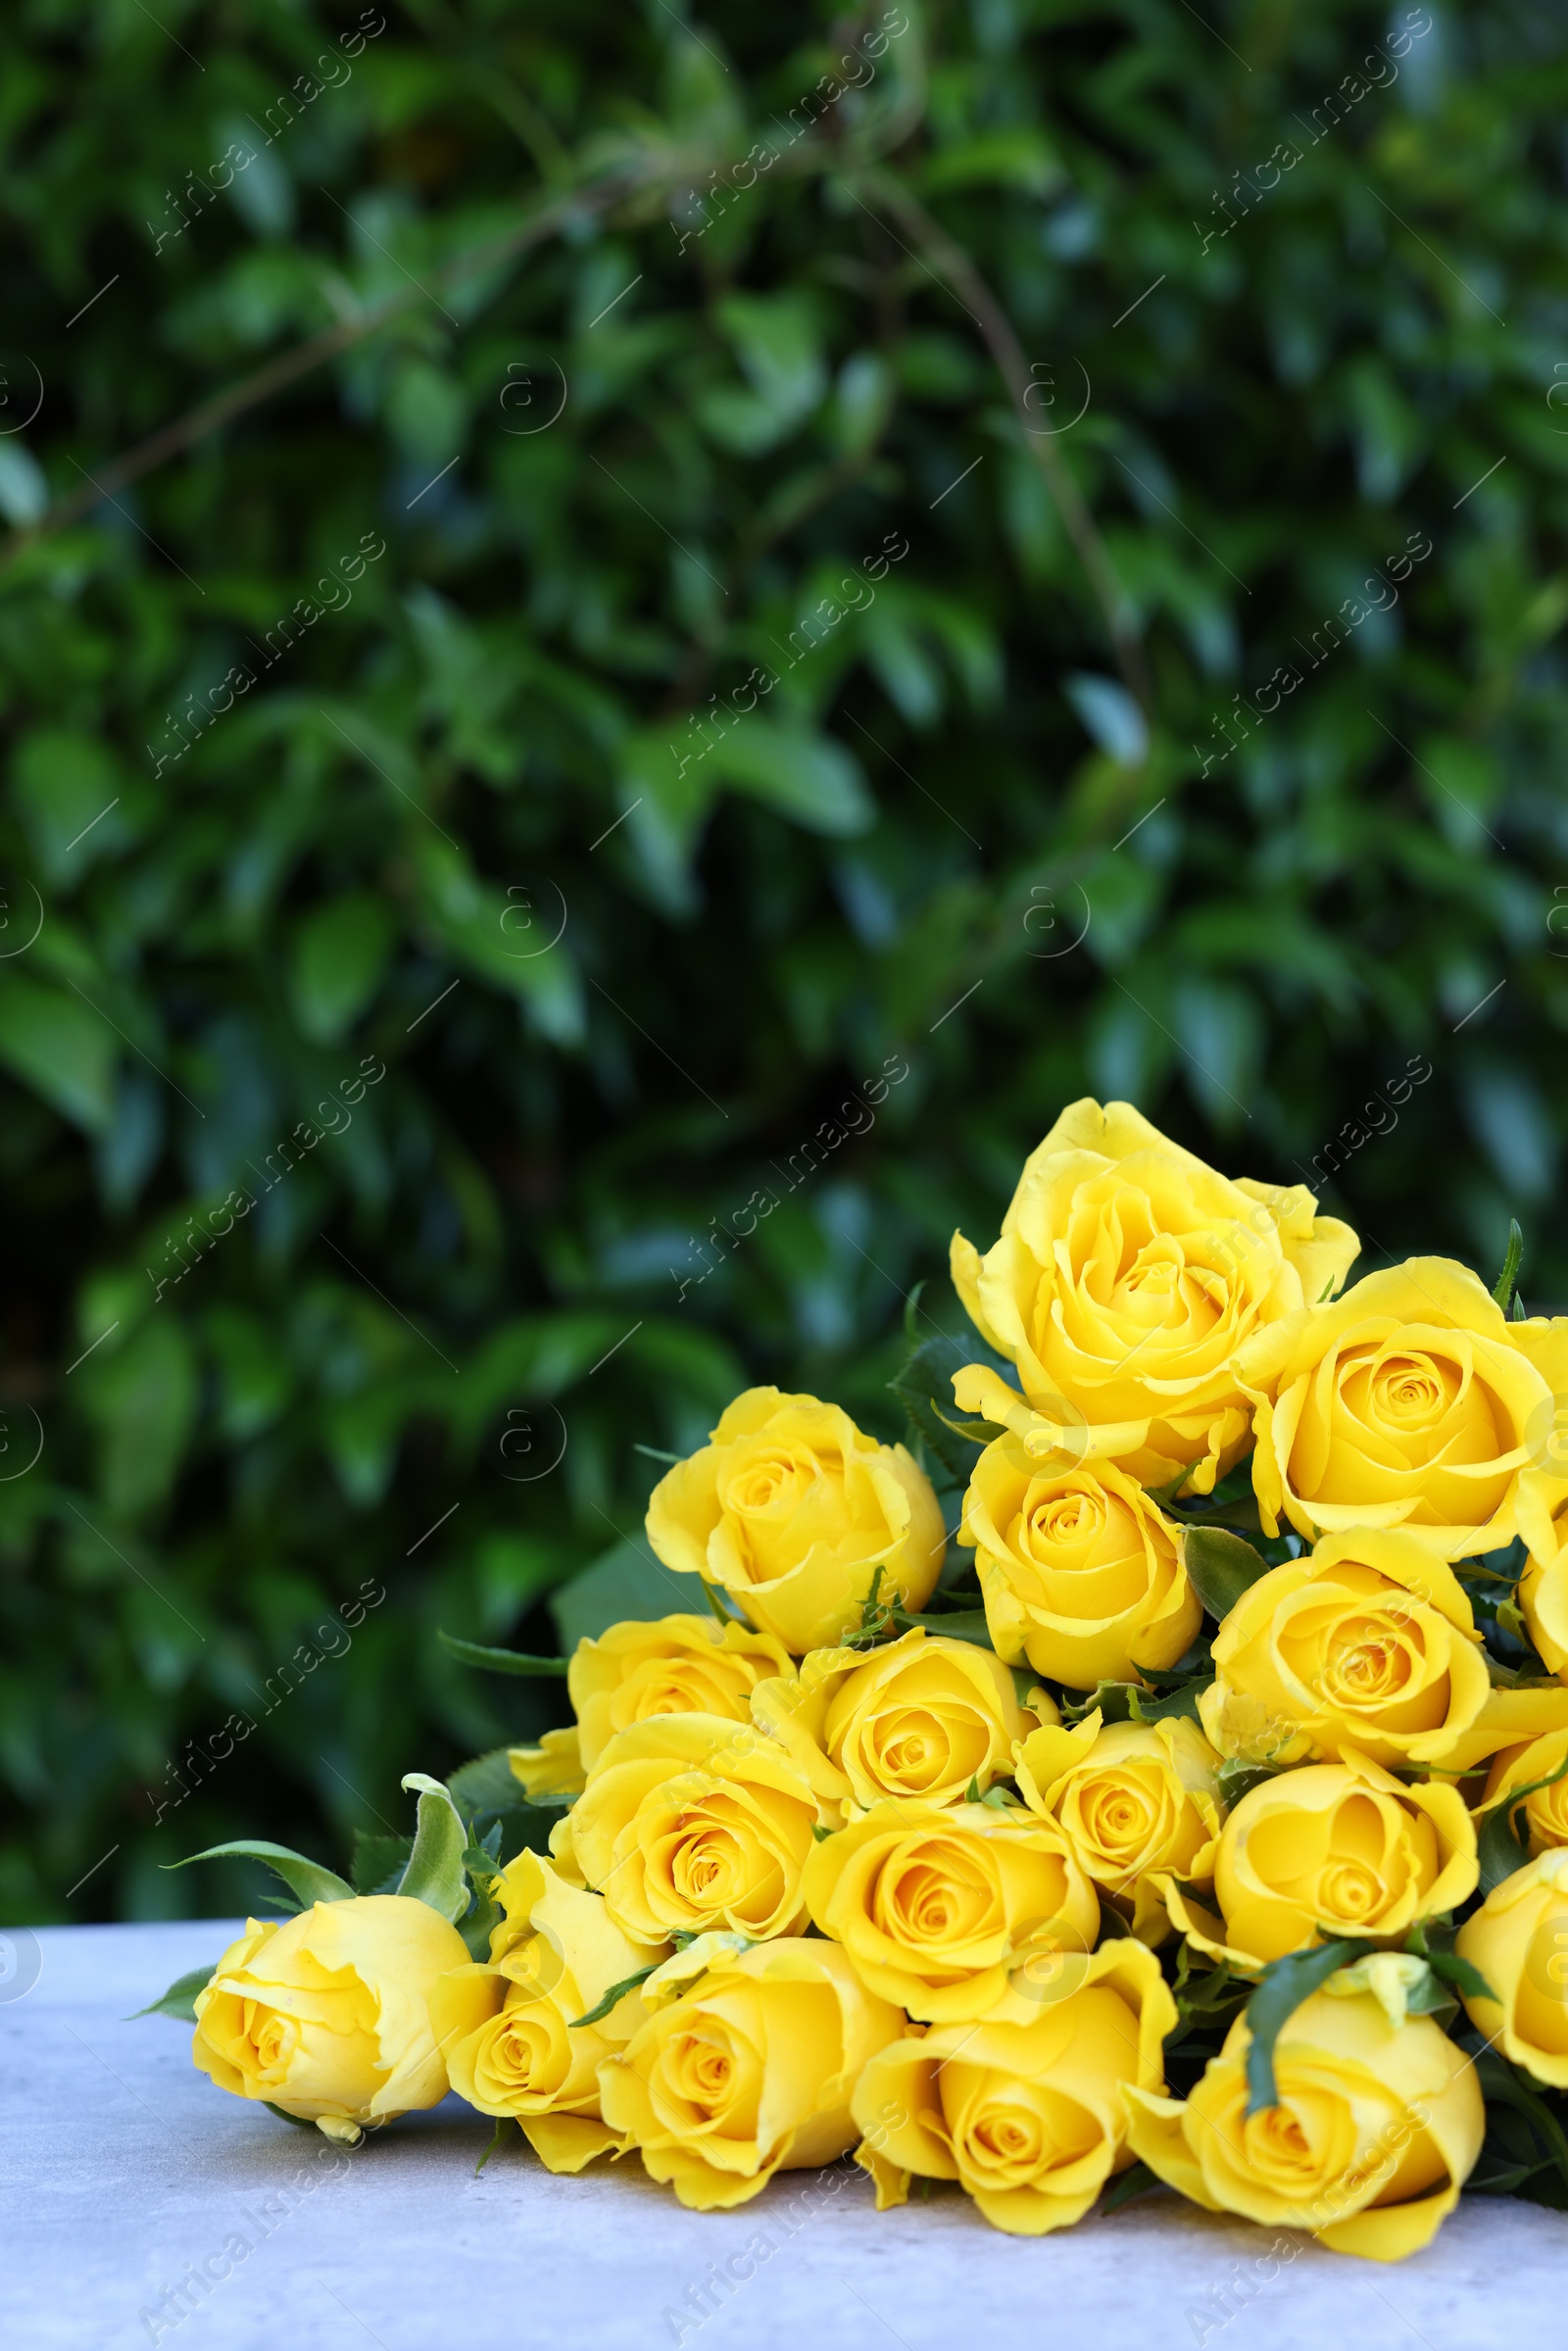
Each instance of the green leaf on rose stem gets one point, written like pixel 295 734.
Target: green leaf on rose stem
pixel 484 1915
pixel 1467 1981
pixel 1499 1848
pixel 924 1387
pixel 1220 1567
pixel 1285 1983
pixel 1136 2180
pixel 1183 1700
pixel 616 1993
pixel 1236 1780
pixel 306 1880
pixel 434 1874
pixel 380 1861
pixel 1113 1699
pixel 962 1624
pixel 1502 2085
pixel 1503 1291
pixel 653 1454
pixel 911 1307
pixel 179 2002
pixel 499 1661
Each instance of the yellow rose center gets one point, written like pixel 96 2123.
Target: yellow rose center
pixel 1280 2150
pixel 708 1868
pixel 275 2039
pixel 1348 1889
pixel 767 1488
pixel 696 2074
pixel 1411 1392
pixel 1541 2004
pixel 1367 1664
pixel 927 1897
pixel 913 1750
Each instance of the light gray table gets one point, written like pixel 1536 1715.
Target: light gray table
pixel 124 2168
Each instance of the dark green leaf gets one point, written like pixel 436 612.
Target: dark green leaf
pixel 1503 1290
pixel 502 1661
pixel 179 1999
pixel 1136 2180
pixel 1220 1567
pixel 1183 1700
pixel 380 1861
pixel 616 1993
pixel 924 1387
pixel 1285 1984
pixel 960 1624
pixel 306 1880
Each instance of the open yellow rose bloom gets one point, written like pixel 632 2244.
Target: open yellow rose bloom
pixel 922 1843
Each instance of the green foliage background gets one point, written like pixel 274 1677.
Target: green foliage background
pixel 880 860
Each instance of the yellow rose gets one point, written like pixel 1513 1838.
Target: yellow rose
pixel 1029 2118
pixel 669 1665
pixel 748 2071
pixel 793 1510
pixel 957 1911
pixel 1126 1278
pixel 1134 1801
pixel 690 1822
pixel 1545 1813
pixel 1544 1590
pixel 510 2031
pixel 553 1768
pixel 1518 1942
pixel 1409 1402
pixel 1368 1642
pixel 919 1717
pixel 1079 1572
pixel 327 2015
pixel 1376 2128
pixel 1341 1848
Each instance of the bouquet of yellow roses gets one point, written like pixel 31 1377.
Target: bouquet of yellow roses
pixel 1101 1848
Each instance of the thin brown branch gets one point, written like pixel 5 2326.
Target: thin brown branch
pixel 209 416
pixel 976 297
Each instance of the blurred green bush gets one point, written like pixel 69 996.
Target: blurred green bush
pixel 767 527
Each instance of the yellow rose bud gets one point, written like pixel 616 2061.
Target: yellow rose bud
pixel 954 1912
pixel 1079 1571
pixel 1029 2118
pixel 1541 1815
pixel 919 1717
pixel 748 2073
pixel 1376 2128
pixel 1136 1801
pixel 508 2030
pixel 1368 1642
pixel 1343 1848
pixel 674 1665
pixel 667 1665
pixel 1409 1402
pixel 327 2015
pixel 1518 1942
pixel 794 1510
pixel 1126 1278
pixel 689 1822
pixel 1543 1523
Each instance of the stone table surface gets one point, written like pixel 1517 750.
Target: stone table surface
pixel 124 2170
